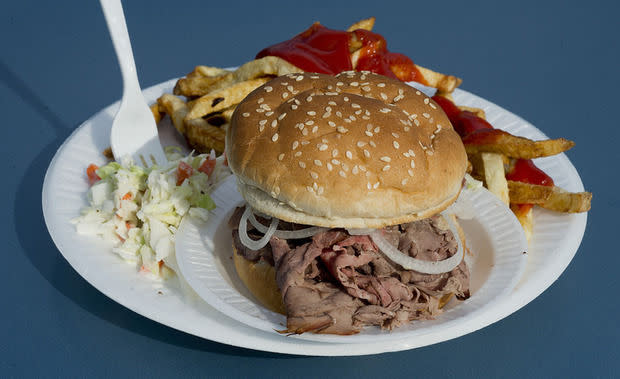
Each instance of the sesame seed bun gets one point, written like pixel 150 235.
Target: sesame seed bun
pixel 355 150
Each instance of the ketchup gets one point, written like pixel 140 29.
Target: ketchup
pixel 525 171
pixel 323 50
pixel 476 130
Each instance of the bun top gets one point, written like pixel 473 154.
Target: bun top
pixel 353 150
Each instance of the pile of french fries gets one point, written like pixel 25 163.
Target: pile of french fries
pixel 203 102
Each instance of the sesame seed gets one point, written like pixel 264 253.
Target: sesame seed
pixel 369 134
pixel 331 123
pixel 342 129
pixel 355 170
pixel 411 153
pixel 298 154
pixel 395 135
pixel 432 106
pixel 281 156
pixel 332 103
pixel 314 175
pixel 290 88
pixel 404 181
pixel 329 166
pixel 262 122
pixel 347 120
pixel 294 106
pixel 373 144
pixel 368 185
pixel 349 154
pixel 429 152
pixel 340 84
pixel 317 162
pixel 302 164
pixel 398 98
pixel 268 89
pixel 304 143
pixel 284 83
pixel 338 113
pixel 386 167
pixel 315 128
pixel 355 105
pixel 261 100
pixel 354 84
pixel 322 147
pixel 358 112
pixel 335 154
pixel 309 98
pixel 260 110
pixel 361 143
pixel 311 113
pixel 418 92
pixel 330 87
pixel 352 118
pixel 377 129
pixel 295 145
pixel 314 77
pixel 365 118
pixel 326 114
pixel 299 78
pixel 381 85
pixel 366 153
pixel 342 173
pixel 261 128
pixel 406 128
pixel 297 102
pixel 426 115
pixel 410 172
pixel 416 122
pixel 366 88
pixel 280 117
pixel 345 98
pixel 383 96
pixel 284 95
pixel 246 114
pixel 268 113
pixel 395 144
pixel 274 123
pixel 309 122
pixel 386 159
pixel 426 101
pixel 385 110
pixel 275 137
pixel 332 93
pixel 376 185
pixel 412 163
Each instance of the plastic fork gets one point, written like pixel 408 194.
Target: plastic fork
pixel 134 131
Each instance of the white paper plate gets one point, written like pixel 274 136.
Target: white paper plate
pixel 556 239
pixel 204 252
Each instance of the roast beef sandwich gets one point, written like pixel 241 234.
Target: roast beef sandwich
pixel 345 180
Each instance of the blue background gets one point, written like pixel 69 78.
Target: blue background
pixel 553 63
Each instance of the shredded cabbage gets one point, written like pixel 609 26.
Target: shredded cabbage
pixel 139 210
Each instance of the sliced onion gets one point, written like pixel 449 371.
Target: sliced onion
pixel 422 266
pixel 286 234
pixel 361 231
pixel 243 232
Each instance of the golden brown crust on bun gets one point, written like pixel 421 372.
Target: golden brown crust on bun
pixel 354 150
pixel 260 278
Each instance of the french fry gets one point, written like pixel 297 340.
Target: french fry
pixel 568 202
pixel 366 24
pixel 223 98
pixel 208 71
pixel 200 135
pixel 443 82
pixel 156 112
pixel 501 142
pixel 479 112
pixel 175 108
pixel 257 68
pixel 494 175
pixel 550 197
pixel 526 218
pixel 201 85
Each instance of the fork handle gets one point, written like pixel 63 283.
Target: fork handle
pixel 115 18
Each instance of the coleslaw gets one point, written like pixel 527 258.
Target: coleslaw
pixel 139 210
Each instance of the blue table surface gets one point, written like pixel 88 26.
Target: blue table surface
pixel 553 63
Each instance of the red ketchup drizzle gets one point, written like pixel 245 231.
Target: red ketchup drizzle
pixel 323 50
pixel 474 129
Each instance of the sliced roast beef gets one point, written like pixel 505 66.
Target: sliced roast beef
pixel 337 283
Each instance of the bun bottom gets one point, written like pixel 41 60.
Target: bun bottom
pixel 260 278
